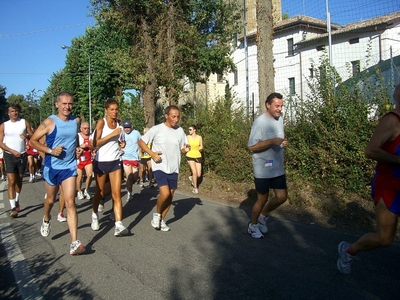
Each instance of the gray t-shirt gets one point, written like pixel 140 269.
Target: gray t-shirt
pixel 267 163
pixel 168 140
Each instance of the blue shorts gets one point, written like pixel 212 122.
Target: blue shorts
pixel 56 177
pixel 264 184
pixel 106 167
pixel 163 178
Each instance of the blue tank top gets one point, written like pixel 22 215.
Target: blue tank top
pixel 64 133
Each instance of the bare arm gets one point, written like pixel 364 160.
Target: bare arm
pixel 154 155
pixel 262 145
pixel 201 144
pixel 387 130
pixel 4 146
pixel 36 140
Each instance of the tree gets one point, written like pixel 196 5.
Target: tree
pixel 165 41
pixel 3 103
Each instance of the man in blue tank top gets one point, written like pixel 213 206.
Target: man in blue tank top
pixel 60 164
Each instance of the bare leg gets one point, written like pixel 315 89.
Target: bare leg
pixel 386 229
pixel 115 182
pixel 61 203
pixel 51 192
pixel 69 188
pixel 164 200
pixel 274 203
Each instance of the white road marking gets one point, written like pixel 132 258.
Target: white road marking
pixel 23 277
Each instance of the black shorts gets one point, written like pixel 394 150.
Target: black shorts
pixel 15 165
pixel 198 160
pixel 264 184
pixel 144 161
pixel 106 167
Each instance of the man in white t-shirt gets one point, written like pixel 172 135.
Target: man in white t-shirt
pixel 267 141
pixel 168 141
pixel 12 140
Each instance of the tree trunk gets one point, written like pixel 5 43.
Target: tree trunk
pixel 265 55
pixel 150 88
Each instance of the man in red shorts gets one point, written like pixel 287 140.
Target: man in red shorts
pixel 384 147
pixel 84 161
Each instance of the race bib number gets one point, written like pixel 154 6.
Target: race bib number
pixel 269 163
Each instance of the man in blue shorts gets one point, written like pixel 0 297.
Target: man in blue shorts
pixel 168 141
pixel 60 164
pixel 384 147
pixel 267 141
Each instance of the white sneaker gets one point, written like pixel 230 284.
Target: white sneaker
pixel 38 174
pixel 61 217
pixel 120 230
pixel 45 228
pixel 2 177
pixel 87 195
pixel 30 179
pixel 164 226
pixel 191 180
pixel 195 191
pixel 254 231
pixel 80 196
pixel 262 224
pixel 129 197
pixel 95 222
pixel 155 222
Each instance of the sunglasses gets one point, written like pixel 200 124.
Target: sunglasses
pixel 190 129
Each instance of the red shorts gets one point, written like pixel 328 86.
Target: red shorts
pixel 132 163
pixel 388 189
pixel 82 164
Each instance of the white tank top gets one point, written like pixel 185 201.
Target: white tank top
pixel 110 150
pixel 12 132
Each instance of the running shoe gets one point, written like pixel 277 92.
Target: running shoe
pixel 17 207
pixel 76 248
pixel 155 222
pixel 345 259
pixel 2 177
pixel 31 179
pixel 262 224
pixel 191 180
pixel 80 196
pixel 38 174
pixel 120 230
pixel 13 213
pixel 164 226
pixel 87 195
pixel 254 231
pixel 45 228
pixel 61 217
pixel 95 222
pixel 195 191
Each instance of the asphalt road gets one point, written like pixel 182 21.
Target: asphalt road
pixel 206 255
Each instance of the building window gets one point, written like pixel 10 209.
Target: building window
pixel 354 41
pixel 311 72
pixel 235 77
pixel 235 40
pixel 292 88
pixel 320 48
pixel 220 78
pixel 290 47
pixel 355 67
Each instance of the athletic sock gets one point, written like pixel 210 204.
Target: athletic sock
pixel 12 203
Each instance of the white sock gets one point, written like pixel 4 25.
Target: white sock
pixel 94 215
pixel 12 203
pixel 118 223
pixel 17 197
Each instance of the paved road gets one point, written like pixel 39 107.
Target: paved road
pixel 206 255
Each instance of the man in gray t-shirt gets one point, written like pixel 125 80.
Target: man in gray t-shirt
pixel 267 141
pixel 168 141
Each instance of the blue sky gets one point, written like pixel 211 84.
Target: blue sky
pixel 31 35
pixel 32 32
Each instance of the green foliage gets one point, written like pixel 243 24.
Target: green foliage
pixel 329 130
pixel 225 131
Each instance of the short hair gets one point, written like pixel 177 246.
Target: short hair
pixel 272 96
pixel 15 106
pixel 59 95
pixel 169 108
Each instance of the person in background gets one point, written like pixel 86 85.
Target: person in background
pixel 33 155
pixel 12 140
pixel 194 157
pixel 145 170
pixel 60 164
pixel 107 140
pixel 2 169
pixel 84 161
pixel 267 142
pixel 168 141
pixel 384 147
pixel 130 157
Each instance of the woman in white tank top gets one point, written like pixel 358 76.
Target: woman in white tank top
pixel 108 139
